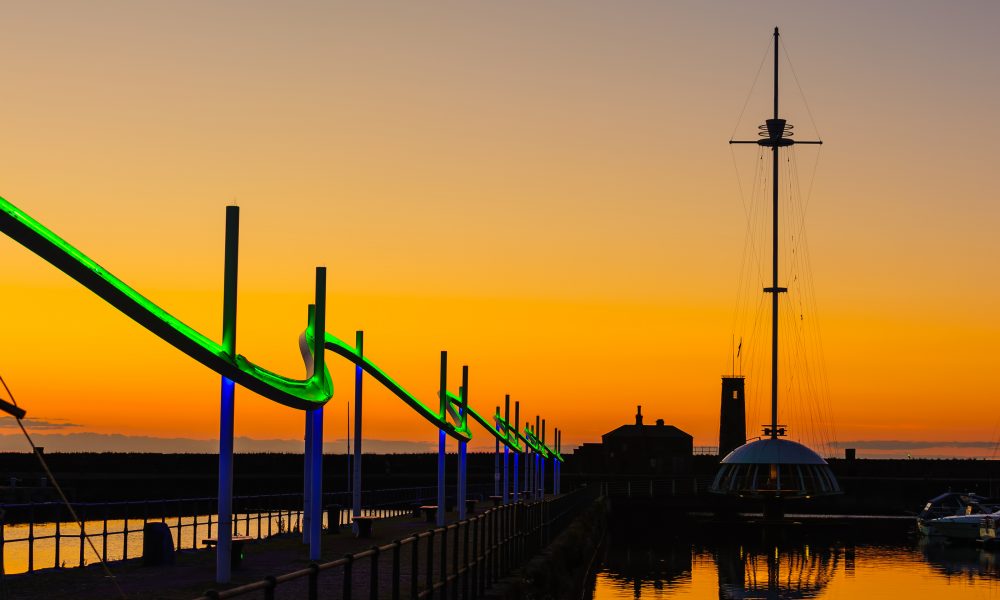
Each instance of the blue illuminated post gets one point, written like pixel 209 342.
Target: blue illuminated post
pixel 307 456
pixel 538 461
pixel 517 455
pixel 316 427
pixel 227 403
pixel 541 474
pixel 506 449
pixel 556 465
pixel 462 444
pixel 496 453
pixel 441 437
pixel 358 438
pixel 528 460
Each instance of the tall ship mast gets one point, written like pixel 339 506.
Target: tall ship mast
pixel 772 468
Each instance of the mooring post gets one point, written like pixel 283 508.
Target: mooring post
pixel 441 438
pixel 506 448
pixel 227 403
pixel 316 447
pixel 358 438
pixel 462 444
pixel 517 455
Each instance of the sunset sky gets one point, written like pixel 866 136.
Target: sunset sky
pixel 544 189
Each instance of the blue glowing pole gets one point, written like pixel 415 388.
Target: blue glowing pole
pixel 441 438
pixel 538 461
pixel 541 474
pixel 227 402
pixel 496 454
pixel 316 487
pixel 316 424
pixel 529 461
pixel 556 465
pixel 462 444
pixel 517 455
pixel 506 449
pixel 358 438
pixel 307 456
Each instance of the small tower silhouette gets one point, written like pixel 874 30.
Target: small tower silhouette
pixel 638 415
pixel 732 416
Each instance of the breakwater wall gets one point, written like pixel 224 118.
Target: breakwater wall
pixel 107 477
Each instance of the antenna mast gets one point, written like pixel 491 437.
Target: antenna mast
pixel 775 133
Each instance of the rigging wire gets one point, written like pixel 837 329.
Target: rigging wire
pixel 753 86
pixel 62 495
pixel 791 67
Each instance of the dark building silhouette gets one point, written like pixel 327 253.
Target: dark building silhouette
pixel 732 416
pixel 637 449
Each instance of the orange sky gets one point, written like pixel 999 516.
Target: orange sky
pixel 544 191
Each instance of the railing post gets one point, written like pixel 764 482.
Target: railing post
pixel 443 567
pixel 313 581
pixel 125 534
pixel 2 541
pixel 58 533
pixel 415 568
pixel 430 563
pixel 474 552
pixel 269 584
pixel 83 532
pixel 454 564
pixel 373 575
pixel 395 569
pixel 465 560
pixel 348 572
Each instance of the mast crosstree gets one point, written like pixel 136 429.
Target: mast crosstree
pixel 776 133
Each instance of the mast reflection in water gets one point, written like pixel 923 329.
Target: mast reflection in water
pixel 861 560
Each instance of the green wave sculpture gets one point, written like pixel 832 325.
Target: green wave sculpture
pixel 303 394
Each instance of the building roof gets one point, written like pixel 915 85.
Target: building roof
pixel 648 431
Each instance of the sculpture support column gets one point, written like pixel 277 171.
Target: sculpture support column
pixel 227 403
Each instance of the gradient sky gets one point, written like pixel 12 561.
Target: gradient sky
pixel 542 189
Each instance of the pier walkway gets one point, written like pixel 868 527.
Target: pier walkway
pixel 194 570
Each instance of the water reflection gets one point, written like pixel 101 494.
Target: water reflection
pixel 791 572
pixel 828 561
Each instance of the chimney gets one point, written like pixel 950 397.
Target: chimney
pixel 638 415
pixel 659 422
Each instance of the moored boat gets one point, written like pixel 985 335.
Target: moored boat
pixel 956 516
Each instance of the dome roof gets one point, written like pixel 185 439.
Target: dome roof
pixel 774 468
pixel 773 451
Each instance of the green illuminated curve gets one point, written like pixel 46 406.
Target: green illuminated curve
pixel 349 352
pixel 297 393
pixel 306 394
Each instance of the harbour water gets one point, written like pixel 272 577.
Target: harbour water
pixel 860 560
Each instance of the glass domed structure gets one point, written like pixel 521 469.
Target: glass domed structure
pixel 774 468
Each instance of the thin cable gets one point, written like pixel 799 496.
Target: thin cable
pixel 55 484
pixel 750 93
pixel 795 77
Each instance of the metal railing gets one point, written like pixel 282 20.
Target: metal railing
pixel 43 535
pixel 462 559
